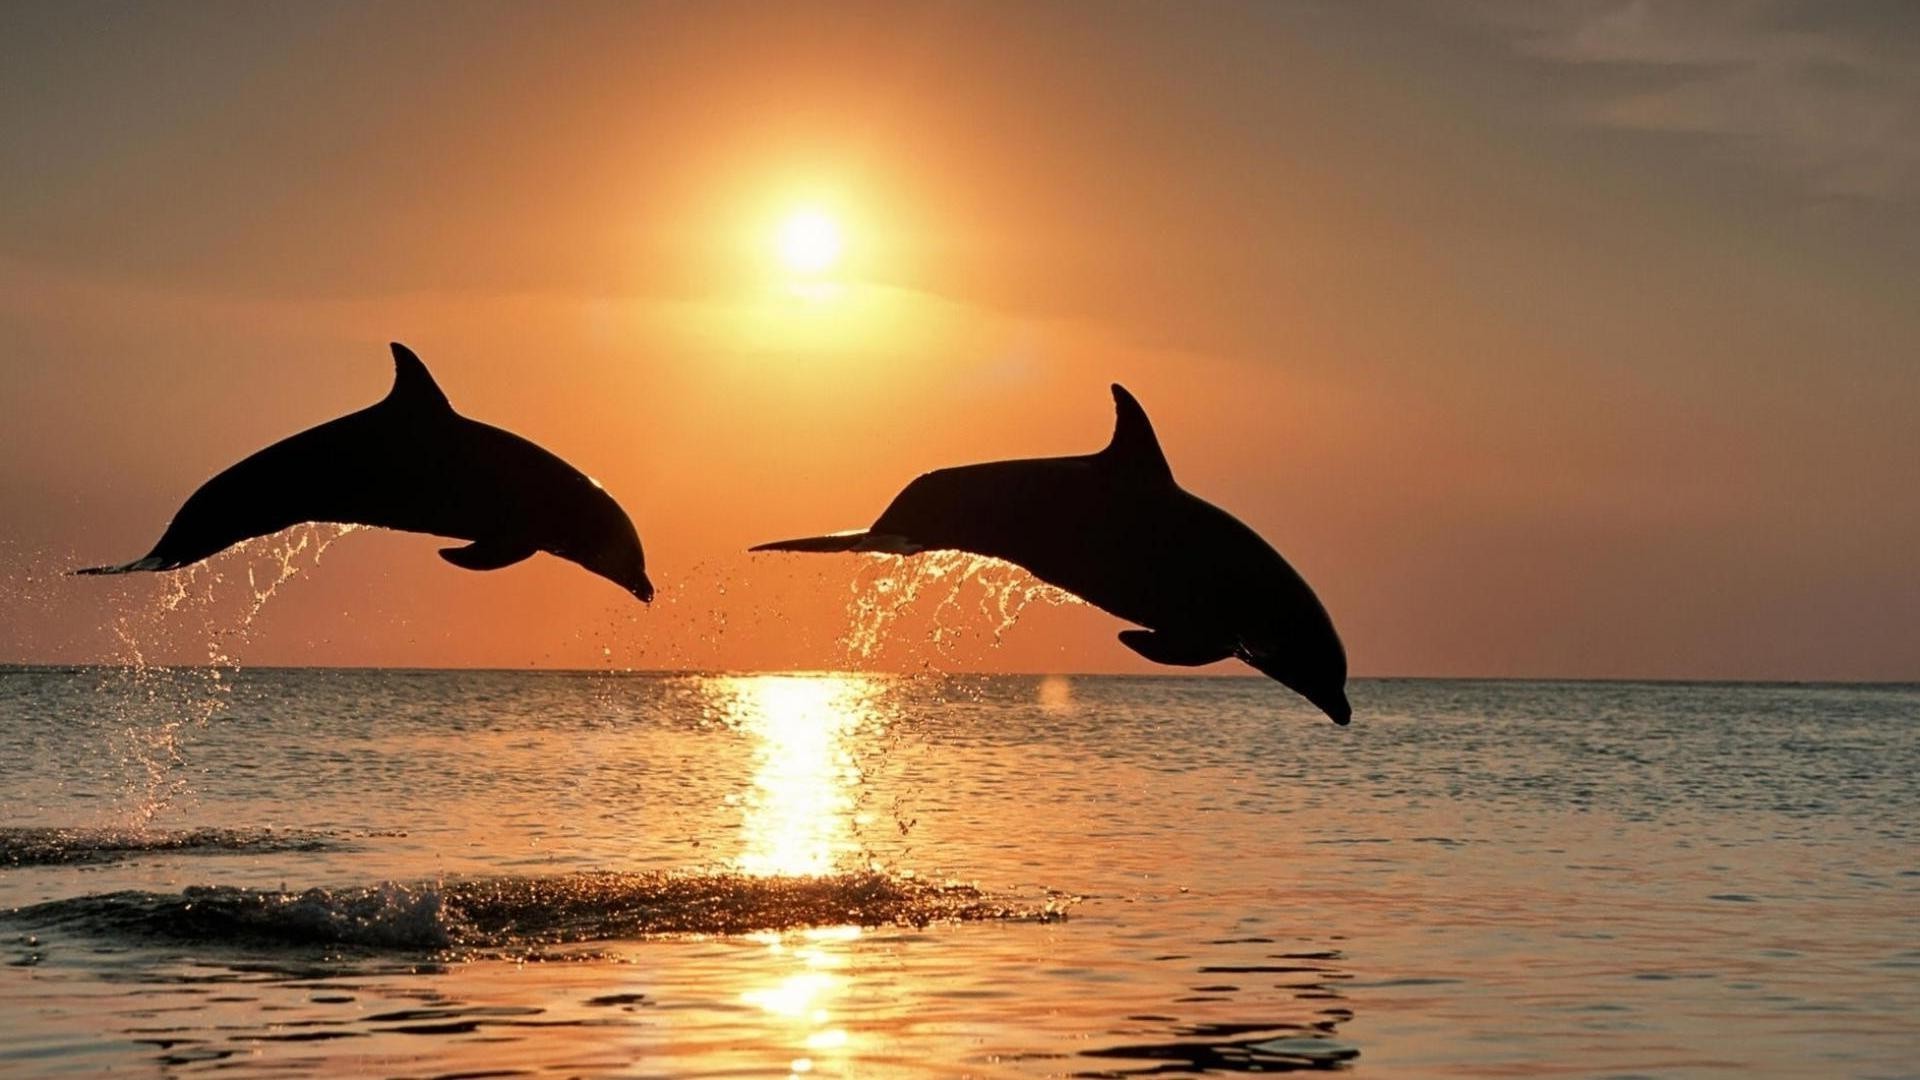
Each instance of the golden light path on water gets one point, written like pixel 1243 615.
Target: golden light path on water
pixel 798 815
pixel 799 818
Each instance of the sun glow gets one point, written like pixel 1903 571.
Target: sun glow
pixel 809 242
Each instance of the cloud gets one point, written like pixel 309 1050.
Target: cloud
pixel 1826 92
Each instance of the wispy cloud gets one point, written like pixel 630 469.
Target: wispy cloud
pixel 1828 90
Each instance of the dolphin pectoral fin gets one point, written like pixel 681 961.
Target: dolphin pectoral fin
pixel 1162 648
pixel 488 554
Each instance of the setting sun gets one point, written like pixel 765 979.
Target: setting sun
pixel 809 242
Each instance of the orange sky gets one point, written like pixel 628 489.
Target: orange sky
pixel 1547 340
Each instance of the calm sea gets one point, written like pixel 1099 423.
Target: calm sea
pixel 327 873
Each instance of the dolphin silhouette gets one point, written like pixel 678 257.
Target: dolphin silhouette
pixel 1114 529
pixel 409 462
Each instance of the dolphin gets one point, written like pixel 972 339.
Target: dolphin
pixel 409 462
pixel 1114 529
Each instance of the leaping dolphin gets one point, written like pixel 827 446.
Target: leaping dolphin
pixel 1114 529
pixel 409 462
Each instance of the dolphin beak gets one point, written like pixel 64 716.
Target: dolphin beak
pixel 643 590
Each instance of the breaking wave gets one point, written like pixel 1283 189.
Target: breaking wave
pixel 493 915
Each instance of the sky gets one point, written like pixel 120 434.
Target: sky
pixel 1544 339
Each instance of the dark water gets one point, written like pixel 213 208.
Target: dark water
pixel 430 874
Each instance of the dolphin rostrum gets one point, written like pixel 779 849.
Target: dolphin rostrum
pixel 1114 529
pixel 409 462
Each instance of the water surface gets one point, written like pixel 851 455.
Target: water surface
pixel 317 872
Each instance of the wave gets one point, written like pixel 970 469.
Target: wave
pixel 520 913
pixel 59 847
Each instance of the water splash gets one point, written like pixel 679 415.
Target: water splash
pixel 968 592
pixel 496 916
pixel 963 596
pixel 195 609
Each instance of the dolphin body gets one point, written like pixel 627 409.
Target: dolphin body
pixel 409 462
pixel 1114 529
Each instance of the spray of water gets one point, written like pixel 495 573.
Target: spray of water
pixel 968 592
pixel 964 596
pixel 194 610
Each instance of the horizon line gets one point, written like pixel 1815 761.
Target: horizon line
pixel 9 667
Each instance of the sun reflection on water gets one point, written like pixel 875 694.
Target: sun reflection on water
pixel 802 998
pixel 799 819
pixel 799 813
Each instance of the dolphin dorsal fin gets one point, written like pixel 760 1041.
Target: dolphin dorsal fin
pixel 413 387
pixel 1134 444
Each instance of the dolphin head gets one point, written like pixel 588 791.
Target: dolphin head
pixel 624 565
pixel 1308 659
pixel 600 537
pixel 1323 684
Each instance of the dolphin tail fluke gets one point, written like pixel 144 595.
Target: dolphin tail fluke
pixel 840 541
pixel 151 562
pixel 855 540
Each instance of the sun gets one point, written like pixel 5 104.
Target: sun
pixel 809 242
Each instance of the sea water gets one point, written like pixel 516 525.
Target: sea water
pixel 409 873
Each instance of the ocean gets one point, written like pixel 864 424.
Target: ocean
pixel 308 872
